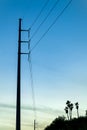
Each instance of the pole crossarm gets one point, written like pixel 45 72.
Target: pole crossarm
pixel 25 41
pixel 25 30
pixel 24 53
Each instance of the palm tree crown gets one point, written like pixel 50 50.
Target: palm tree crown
pixel 77 107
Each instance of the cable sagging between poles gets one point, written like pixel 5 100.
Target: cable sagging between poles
pixel 37 17
pixel 51 25
pixel 32 85
pixel 53 7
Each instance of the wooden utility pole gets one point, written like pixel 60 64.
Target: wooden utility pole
pixel 34 124
pixel 18 102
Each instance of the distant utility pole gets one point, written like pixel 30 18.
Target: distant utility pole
pixel 34 124
pixel 18 101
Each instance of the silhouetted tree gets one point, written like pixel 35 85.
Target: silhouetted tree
pixel 77 107
pixel 68 104
pixel 71 108
pixel 66 110
pixel 57 124
pixel 74 124
pixel 86 113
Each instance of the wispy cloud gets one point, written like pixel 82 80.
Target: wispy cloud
pixel 38 109
pixel 44 116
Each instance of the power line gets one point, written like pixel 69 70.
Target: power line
pixel 39 13
pixel 32 85
pixel 51 25
pixel 53 7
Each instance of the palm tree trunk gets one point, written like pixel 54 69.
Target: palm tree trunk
pixel 70 114
pixel 77 113
pixel 67 116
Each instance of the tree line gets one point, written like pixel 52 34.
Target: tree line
pixel 69 123
pixel 68 109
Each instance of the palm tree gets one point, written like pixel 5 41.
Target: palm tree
pixel 86 113
pixel 66 110
pixel 77 107
pixel 68 105
pixel 71 108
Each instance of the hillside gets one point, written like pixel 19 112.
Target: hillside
pixel 75 124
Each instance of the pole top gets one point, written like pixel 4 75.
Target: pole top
pixel 20 19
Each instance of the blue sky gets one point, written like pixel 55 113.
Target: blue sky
pixel 59 61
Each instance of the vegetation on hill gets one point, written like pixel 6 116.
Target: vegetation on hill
pixel 75 124
pixel 61 123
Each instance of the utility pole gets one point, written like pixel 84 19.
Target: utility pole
pixel 34 124
pixel 18 101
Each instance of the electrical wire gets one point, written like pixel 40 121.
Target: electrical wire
pixel 53 7
pixel 44 6
pixel 32 85
pixel 51 25
pixel 30 50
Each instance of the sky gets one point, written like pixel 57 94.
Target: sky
pixel 59 61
